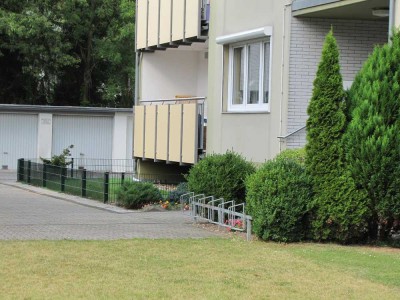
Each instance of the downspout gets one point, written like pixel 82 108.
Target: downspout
pixel 391 20
pixel 137 77
pixel 282 72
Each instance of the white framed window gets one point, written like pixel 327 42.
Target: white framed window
pixel 249 80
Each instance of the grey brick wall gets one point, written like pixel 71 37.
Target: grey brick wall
pixel 356 39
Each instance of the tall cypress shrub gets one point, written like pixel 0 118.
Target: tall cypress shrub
pixel 339 210
pixel 373 135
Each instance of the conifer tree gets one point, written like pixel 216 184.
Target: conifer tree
pixel 373 135
pixel 339 211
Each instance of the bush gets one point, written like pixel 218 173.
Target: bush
pixel 373 136
pixel 220 175
pixel 298 155
pixel 59 160
pixel 181 189
pixel 134 195
pixel 339 210
pixel 277 198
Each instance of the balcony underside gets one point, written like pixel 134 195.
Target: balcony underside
pixel 339 9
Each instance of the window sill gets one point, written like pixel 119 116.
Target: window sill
pixel 246 112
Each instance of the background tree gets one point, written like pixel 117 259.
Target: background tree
pixel 77 52
pixel 338 209
pixel 373 135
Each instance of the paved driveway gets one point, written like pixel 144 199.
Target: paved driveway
pixel 29 215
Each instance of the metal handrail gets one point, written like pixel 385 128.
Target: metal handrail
pixel 175 100
pixel 289 134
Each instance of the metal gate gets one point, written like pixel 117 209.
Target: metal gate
pixel 18 138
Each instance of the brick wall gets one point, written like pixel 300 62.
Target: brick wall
pixel 356 40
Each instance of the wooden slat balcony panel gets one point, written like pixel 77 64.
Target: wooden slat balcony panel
pixel 190 133
pixel 150 131
pixel 138 145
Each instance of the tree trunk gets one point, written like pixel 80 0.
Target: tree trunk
pixel 87 59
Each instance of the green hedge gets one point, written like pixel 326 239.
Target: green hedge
pixel 277 198
pixel 221 175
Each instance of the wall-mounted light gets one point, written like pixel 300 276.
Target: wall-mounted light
pixel 380 12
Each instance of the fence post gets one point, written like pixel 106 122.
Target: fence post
pixel 20 174
pixel 63 175
pixel 29 171
pixel 72 167
pixel 83 192
pixel 106 183
pixel 44 174
pixel 122 177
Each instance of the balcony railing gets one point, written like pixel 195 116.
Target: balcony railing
pixel 169 130
pixel 169 23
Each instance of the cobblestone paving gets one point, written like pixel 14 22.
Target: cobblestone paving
pixel 27 215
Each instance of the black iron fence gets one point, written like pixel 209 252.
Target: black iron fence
pixel 97 185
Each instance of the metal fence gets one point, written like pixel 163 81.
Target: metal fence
pixel 97 164
pixel 97 185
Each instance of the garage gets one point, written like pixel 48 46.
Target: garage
pixel 91 135
pixel 19 135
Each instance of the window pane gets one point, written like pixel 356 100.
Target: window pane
pixel 266 72
pixel 238 75
pixel 254 74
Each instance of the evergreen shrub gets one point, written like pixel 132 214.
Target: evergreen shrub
pixel 134 195
pixel 372 138
pixel 298 155
pixel 220 175
pixel 277 198
pixel 339 210
pixel 181 189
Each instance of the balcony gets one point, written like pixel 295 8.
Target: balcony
pixel 169 130
pixel 162 24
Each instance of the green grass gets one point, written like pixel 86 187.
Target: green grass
pixel 195 269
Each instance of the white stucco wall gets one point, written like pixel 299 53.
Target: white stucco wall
pixel 119 144
pixel 254 135
pixel 45 135
pixel 166 74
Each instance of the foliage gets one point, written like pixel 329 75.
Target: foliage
pixel 339 210
pixel 373 135
pixel 220 175
pixel 298 155
pixel 136 194
pixel 181 189
pixel 77 52
pixel 277 199
pixel 61 159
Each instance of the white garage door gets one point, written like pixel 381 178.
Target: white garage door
pixel 90 135
pixel 18 138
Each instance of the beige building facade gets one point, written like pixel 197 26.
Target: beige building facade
pixel 242 68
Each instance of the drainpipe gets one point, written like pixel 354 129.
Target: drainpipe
pixel 137 78
pixel 391 20
pixel 282 71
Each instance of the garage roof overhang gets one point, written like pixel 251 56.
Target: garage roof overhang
pixel 62 109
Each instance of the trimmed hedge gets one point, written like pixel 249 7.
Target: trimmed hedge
pixel 220 175
pixel 277 198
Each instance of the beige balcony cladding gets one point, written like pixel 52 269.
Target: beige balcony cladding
pixel 169 132
pixel 166 23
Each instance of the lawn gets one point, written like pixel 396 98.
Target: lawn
pixel 195 269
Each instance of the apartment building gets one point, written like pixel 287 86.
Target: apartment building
pixel 242 69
